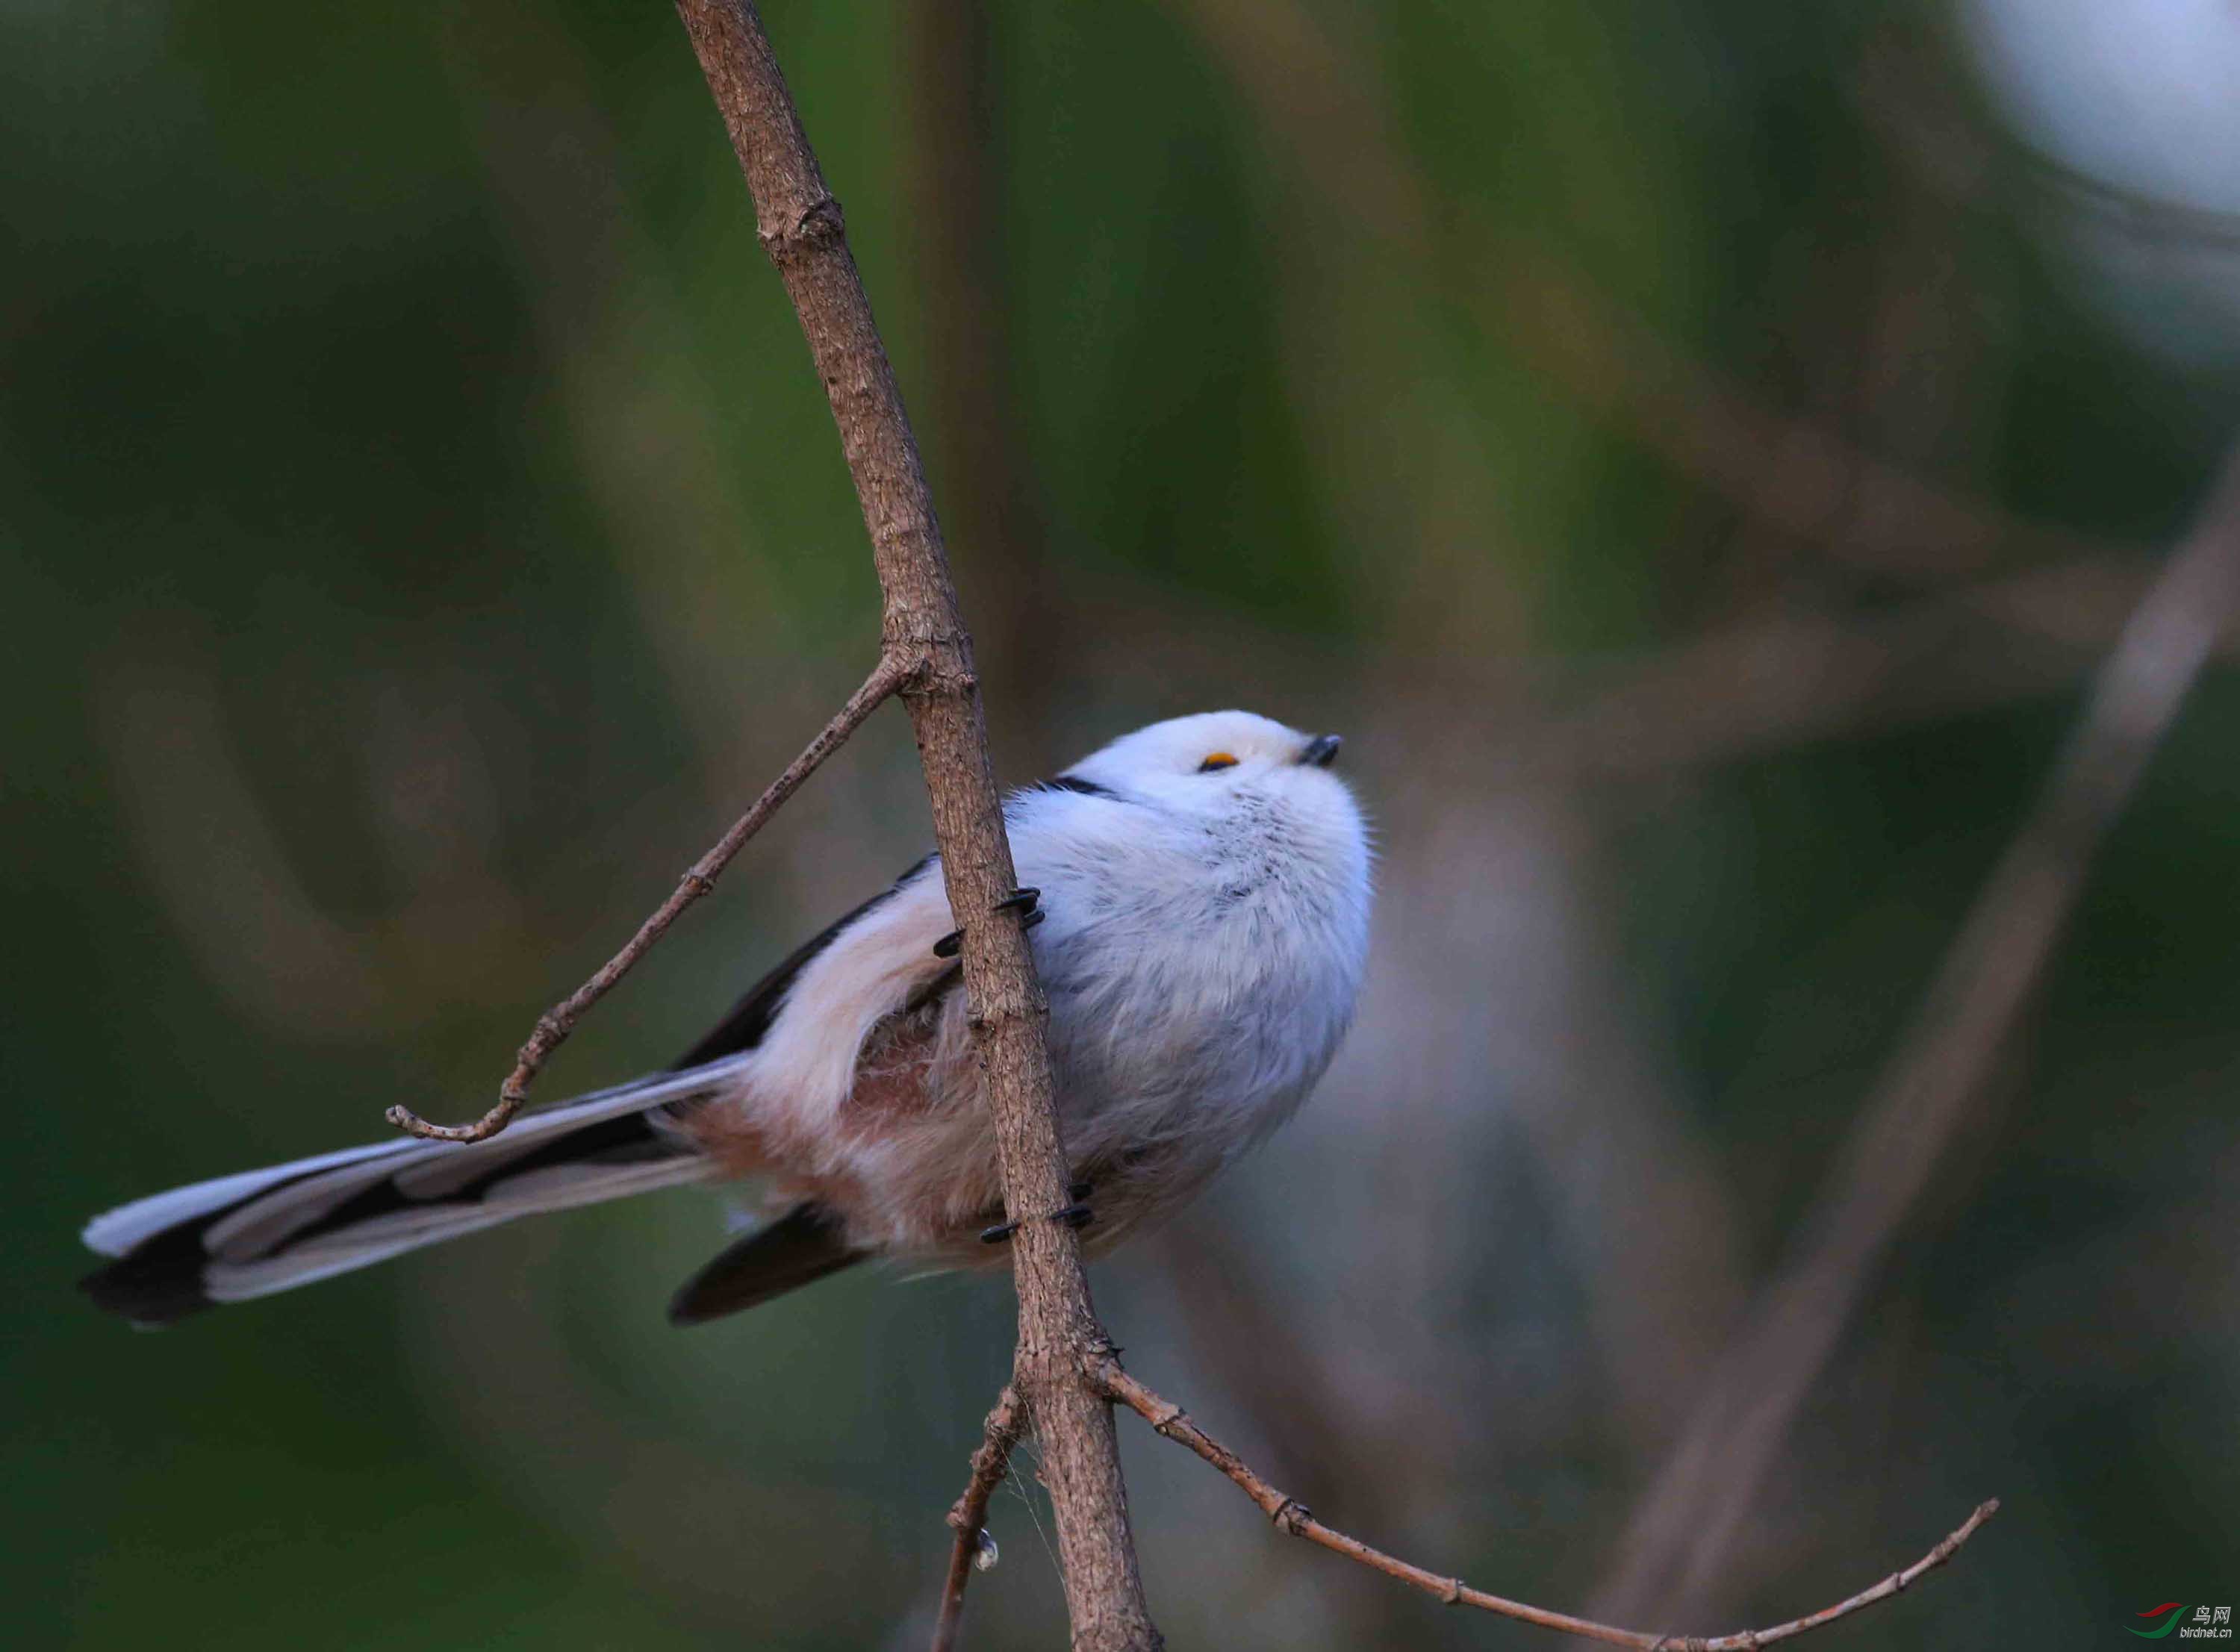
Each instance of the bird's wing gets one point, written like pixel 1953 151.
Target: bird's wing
pixel 798 1249
pixel 749 1018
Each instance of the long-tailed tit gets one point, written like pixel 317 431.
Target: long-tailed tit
pixel 1203 892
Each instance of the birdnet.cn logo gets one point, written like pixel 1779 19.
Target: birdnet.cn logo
pixel 2187 1623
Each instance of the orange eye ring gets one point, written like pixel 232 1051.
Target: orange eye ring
pixel 1215 761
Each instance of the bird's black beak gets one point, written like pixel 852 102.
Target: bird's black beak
pixel 1322 750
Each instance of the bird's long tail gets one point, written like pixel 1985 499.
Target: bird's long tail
pixel 270 1230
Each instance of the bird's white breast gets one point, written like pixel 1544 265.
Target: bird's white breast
pixel 1200 970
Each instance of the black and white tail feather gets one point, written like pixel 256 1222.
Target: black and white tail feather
pixel 252 1234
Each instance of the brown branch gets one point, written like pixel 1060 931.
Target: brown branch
pixel 968 1517
pixel 1994 965
pixel 802 231
pixel 556 1023
pixel 1289 1515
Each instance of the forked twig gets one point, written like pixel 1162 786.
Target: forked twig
pixel 968 1517
pixel 555 1024
pixel 1289 1516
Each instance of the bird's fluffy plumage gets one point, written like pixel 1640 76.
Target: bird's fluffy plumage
pixel 1205 883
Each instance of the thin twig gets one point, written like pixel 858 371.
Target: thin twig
pixel 1697 1500
pixel 556 1023
pixel 968 1517
pixel 1289 1515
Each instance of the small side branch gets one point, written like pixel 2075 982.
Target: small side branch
pixel 1289 1516
pixel 553 1027
pixel 967 1518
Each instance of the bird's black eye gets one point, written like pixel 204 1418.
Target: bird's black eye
pixel 1216 760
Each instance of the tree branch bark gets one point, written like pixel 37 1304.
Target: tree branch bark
pixel 802 231
pixel 967 1518
pixel 1291 1515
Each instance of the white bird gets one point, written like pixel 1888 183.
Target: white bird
pixel 1203 889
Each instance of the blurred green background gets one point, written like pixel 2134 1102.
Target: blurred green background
pixel 1695 449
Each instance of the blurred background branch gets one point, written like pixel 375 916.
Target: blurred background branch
pixel 1684 1531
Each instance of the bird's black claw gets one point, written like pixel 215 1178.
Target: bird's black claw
pixel 1017 901
pixel 1076 1214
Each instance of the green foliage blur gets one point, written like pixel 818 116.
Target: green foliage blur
pixel 1695 452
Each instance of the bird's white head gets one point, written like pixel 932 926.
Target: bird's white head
pixel 1235 764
